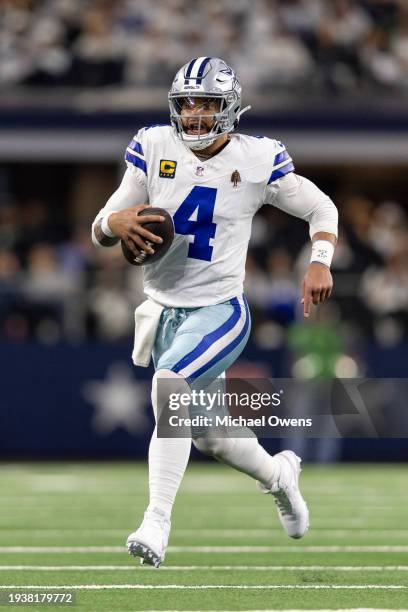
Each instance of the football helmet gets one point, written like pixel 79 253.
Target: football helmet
pixel 206 77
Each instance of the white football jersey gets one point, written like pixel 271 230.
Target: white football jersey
pixel 212 203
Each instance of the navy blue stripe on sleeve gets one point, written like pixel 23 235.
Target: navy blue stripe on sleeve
pixel 281 157
pixel 277 174
pixel 136 161
pixel 136 146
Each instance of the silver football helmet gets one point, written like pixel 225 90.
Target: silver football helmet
pixel 205 77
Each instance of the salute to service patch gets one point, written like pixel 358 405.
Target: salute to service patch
pixel 167 168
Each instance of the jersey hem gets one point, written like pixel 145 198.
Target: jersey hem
pixel 173 304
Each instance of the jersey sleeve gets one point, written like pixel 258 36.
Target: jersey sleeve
pixel 282 163
pixel 135 155
pixel 301 198
pixel 282 166
pixel 132 191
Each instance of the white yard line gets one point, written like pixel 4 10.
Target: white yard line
pixel 284 549
pixel 212 532
pixel 304 610
pixel 261 533
pixel 41 504
pixel 370 521
pixel 348 505
pixel 178 568
pixel 206 549
pixel 99 587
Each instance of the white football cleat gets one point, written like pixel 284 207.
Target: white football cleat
pixel 149 542
pixel 292 509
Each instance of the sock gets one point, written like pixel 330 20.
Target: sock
pixel 168 457
pixel 243 454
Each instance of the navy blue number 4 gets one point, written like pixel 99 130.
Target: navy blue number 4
pixel 201 199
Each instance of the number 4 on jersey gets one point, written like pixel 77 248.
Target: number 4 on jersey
pixel 201 199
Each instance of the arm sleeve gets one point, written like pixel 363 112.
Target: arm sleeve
pixel 131 192
pixel 301 198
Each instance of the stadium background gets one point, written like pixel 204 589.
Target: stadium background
pixel 77 79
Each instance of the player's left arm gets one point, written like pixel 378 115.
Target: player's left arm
pixel 300 197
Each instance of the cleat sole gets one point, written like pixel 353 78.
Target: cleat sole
pixel 147 556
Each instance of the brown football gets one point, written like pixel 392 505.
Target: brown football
pixel 164 229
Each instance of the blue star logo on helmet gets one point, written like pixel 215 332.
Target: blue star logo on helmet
pixel 229 71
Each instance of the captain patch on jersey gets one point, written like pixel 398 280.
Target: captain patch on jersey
pixel 167 168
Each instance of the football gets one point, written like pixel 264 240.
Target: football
pixel 164 229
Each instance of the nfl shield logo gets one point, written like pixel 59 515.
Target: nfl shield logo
pixel 199 171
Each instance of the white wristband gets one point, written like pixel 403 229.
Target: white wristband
pixel 322 252
pixel 105 227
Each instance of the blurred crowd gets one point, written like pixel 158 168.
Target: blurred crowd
pixel 336 45
pixel 55 285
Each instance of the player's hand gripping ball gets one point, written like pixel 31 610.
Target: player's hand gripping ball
pixel 164 229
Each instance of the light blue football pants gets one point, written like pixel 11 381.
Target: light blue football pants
pixel 201 343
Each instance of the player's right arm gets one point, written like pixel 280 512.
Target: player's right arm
pixel 118 219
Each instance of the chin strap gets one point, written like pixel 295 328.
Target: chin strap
pixel 198 145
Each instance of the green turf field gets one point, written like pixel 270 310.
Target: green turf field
pixel 63 526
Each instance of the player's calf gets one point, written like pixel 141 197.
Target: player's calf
pixel 212 446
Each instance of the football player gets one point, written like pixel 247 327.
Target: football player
pixel 196 320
